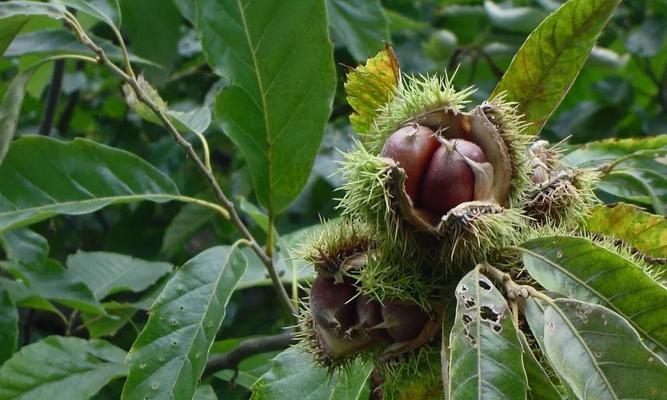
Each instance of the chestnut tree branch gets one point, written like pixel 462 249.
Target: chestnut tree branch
pixel 46 125
pixel 248 348
pixel 130 79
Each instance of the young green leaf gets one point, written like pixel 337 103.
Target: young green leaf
pixel 294 376
pixel 61 368
pixel 9 326
pixel 486 356
pixel 583 270
pixel 50 281
pixel 42 177
pixel 642 230
pixel 278 57
pixel 360 24
pixel 24 245
pixel 109 273
pixel 550 59
pixel 599 355
pixel 169 356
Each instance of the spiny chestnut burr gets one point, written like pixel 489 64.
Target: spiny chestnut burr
pixel 331 305
pixel 403 321
pixel 412 147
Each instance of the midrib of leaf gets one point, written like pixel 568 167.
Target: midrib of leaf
pixel 575 34
pixel 478 302
pixel 265 111
pixel 590 354
pixel 596 293
pixel 155 196
pixel 201 321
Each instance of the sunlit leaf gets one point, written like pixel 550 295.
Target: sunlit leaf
pixel 281 90
pixel 61 368
pixel 370 86
pixel 168 357
pixel 642 230
pixel 550 59
pixel 485 360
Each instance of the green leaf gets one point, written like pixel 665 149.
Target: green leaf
pixel 73 178
pixel 205 392
pixel 595 154
pixel 24 245
pixel 109 273
pixel 51 281
pixel 9 28
pixel 583 270
pixel 9 326
pixel 31 8
pixel 281 91
pixel 168 357
pixel 514 19
pixel 361 25
pixel 10 106
pixel 599 355
pixel 187 8
pixel 61 368
pixel 115 317
pixel 540 386
pixel 647 39
pixel 294 376
pixel 24 296
pixel 643 231
pixel 486 357
pixel 548 62
pixel 189 219
pixel 96 9
pixel 61 41
pixel 155 38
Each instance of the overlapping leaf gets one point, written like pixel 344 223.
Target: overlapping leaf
pixel 578 268
pixel 370 86
pixel 550 59
pixel 278 57
pixel 24 245
pixel 642 230
pixel 599 355
pixel 486 356
pixel 9 326
pixel 360 24
pixel 168 358
pixel 61 368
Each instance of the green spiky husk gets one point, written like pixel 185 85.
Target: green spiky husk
pixel 416 96
pixel 506 117
pixel 565 200
pixel 413 376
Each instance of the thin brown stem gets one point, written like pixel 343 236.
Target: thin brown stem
pixel 514 290
pixel 227 204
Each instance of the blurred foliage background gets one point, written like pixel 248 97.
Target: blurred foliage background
pixel 621 92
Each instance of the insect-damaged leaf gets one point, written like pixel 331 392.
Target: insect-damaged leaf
pixel 486 356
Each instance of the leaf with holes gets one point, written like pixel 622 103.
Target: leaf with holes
pixel 278 57
pixel 550 59
pixel 168 358
pixel 108 273
pixel 485 360
pixel 294 376
pixel 642 230
pixel 74 178
pixel 61 368
pixel 578 268
pixel 599 355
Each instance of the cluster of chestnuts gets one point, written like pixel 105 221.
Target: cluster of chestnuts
pixel 434 189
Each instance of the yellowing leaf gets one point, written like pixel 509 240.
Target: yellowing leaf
pixel 371 86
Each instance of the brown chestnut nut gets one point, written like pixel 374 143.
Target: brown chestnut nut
pixel 403 321
pixel 331 306
pixel 449 180
pixel 412 147
pixel 368 315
